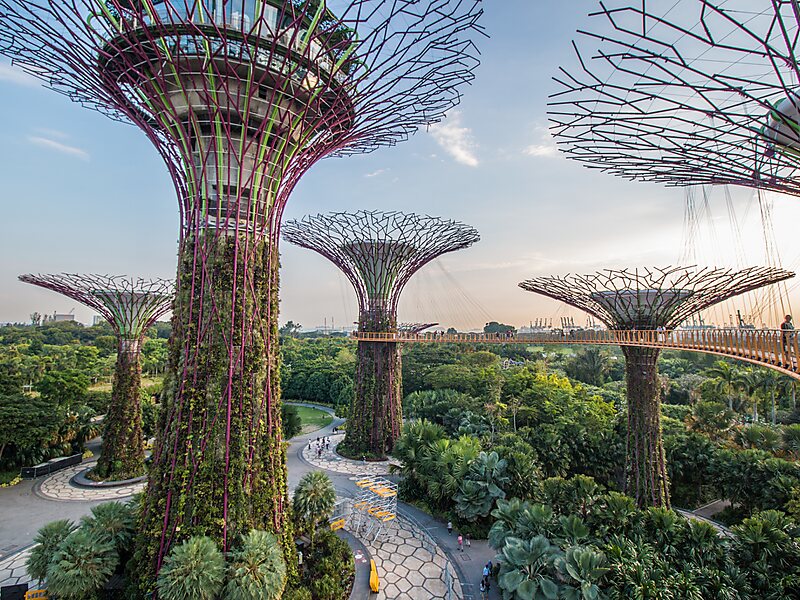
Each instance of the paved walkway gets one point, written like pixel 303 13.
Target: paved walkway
pixel 416 559
pixel 58 486
pixel 328 460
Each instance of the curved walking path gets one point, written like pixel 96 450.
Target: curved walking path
pixel 412 562
pixel 415 558
pixel 59 487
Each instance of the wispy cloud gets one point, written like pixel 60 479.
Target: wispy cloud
pixel 544 147
pixel 59 146
pixel 376 173
pixel 17 76
pixel 456 140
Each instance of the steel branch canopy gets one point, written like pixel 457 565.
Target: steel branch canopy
pixel 241 97
pixel 379 251
pixel 687 92
pixel 649 298
pixel 130 306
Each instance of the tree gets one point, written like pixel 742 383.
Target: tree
pixel 710 418
pixel 65 387
pixel 728 378
pixel 26 422
pixel 257 569
pixel 482 486
pixel 290 421
pixel 195 569
pixel 290 329
pixel 314 499
pixel 590 365
pixel 495 327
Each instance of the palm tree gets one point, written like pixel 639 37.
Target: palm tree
pixel 728 379
pixel 590 366
pixel 766 382
pixel 749 382
pixel 314 499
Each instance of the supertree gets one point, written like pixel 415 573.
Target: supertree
pixel 687 92
pixel 130 306
pixel 649 299
pixel 240 98
pixel 378 252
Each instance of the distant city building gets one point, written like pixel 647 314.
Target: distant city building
pixel 97 320
pixel 56 318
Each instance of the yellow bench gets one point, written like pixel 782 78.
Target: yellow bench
pixel 36 594
pixel 374 582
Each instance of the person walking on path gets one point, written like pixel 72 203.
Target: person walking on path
pixel 468 543
pixel 460 543
pixel 484 595
pixel 449 528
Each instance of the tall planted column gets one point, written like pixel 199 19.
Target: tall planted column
pixel 240 99
pixel 130 306
pixel 122 449
pixel 650 299
pixel 378 252
pixel 376 415
pixel 646 467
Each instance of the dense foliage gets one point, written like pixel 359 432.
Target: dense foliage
pixel 577 542
pixel 52 380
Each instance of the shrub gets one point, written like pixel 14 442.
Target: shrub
pixel 194 570
pixel 82 565
pixel 47 541
pixel 256 569
pixel 301 593
pixel 112 521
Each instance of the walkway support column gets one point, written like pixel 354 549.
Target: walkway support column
pixel 649 299
pixel 645 469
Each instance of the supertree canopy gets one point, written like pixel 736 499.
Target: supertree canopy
pixel 130 306
pixel 378 252
pixel 686 92
pixel 649 299
pixel 240 98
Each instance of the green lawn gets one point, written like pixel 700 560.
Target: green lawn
pixel 313 418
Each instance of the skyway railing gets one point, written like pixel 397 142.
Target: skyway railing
pixel 771 348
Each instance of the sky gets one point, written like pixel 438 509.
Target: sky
pixel 82 193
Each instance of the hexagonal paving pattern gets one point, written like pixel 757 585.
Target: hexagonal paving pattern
pixel 58 487
pixel 410 564
pixel 13 571
pixel 329 460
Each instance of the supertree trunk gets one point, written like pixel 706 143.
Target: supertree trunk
pixel 220 464
pixel 377 412
pixel 646 470
pixel 122 450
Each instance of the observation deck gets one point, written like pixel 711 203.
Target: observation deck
pixel 771 348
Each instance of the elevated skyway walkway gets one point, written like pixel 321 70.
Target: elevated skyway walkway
pixel 771 348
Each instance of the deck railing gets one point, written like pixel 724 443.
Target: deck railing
pixel 772 348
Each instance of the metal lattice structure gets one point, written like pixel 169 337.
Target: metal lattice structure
pixel 375 506
pixel 414 327
pixel 240 98
pixel 378 252
pixel 650 299
pixel 683 93
pixel 130 306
